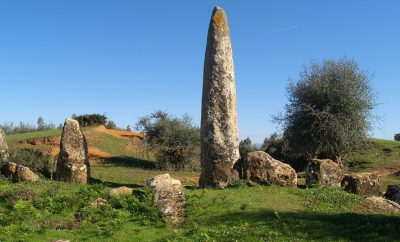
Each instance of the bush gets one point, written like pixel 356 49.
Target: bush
pixel 397 137
pixel 86 120
pixel 329 110
pixel 111 125
pixel 39 161
pixel 176 141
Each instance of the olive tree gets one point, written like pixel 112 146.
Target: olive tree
pixel 175 141
pixel 329 111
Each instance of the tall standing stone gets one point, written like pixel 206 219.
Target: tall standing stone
pixel 73 160
pixel 219 128
pixel 3 147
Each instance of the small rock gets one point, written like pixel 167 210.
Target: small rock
pixel 393 193
pixel 121 191
pixel 18 173
pixel 324 173
pixel 261 168
pixel 169 198
pixel 362 183
pixel 99 203
pixel 379 205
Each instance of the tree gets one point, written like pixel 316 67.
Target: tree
pixel 41 124
pixel 397 137
pixel 329 111
pixel 128 128
pixel 111 125
pixel 245 147
pixel 175 141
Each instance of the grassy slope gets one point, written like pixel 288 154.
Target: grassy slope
pixel 235 214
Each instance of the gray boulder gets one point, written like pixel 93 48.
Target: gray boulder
pixel 73 160
pixel 219 128
pixel 379 205
pixel 323 173
pixel 362 183
pixel 393 193
pixel 169 198
pixel 261 168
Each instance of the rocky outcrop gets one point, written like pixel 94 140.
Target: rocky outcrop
pixel 261 168
pixel 379 205
pixel 323 173
pixel 73 161
pixel 121 191
pixel 393 193
pixel 18 173
pixel 3 147
pixel 219 128
pixel 169 198
pixel 366 184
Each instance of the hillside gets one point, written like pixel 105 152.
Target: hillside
pixel 49 210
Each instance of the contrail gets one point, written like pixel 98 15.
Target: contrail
pixel 287 28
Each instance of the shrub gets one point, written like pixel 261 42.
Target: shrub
pixel 90 119
pixel 397 137
pixel 39 161
pixel 175 141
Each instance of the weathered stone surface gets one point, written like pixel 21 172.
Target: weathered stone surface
pixel 169 198
pixel 99 203
pixel 362 183
pixel 379 205
pixel 3 147
pixel 121 191
pixel 261 168
pixel 219 128
pixel 18 173
pixel 73 161
pixel 324 173
pixel 393 193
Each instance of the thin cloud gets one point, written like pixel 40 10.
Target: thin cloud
pixel 286 28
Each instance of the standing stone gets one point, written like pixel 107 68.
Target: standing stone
pixel 3 147
pixel 219 128
pixel 73 161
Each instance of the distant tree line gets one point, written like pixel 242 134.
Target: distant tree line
pixel 11 128
pixel 397 137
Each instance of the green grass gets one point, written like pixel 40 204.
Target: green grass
pixel 234 214
pixel 13 139
pixel 380 154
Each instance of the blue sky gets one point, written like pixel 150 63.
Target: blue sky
pixel 130 58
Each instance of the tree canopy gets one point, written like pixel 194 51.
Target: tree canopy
pixel 330 109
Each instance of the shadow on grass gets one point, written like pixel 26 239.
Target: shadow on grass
pixel 130 162
pixel 359 164
pixel 317 226
pixel 113 184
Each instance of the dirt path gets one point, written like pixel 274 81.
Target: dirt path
pixel 118 133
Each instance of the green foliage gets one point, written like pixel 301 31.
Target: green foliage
pixel 329 110
pixel 111 125
pixel 37 160
pixel 176 141
pixel 86 120
pixel 397 137
pixel 246 147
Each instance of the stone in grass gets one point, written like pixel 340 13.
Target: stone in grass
pixel 393 193
pixel 323 173
pixel 379 205
pixel 169 198
pixel 366 184
pixel 18 173
pixel 261 168
pixel 121 191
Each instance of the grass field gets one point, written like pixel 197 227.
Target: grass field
pixel 50 210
